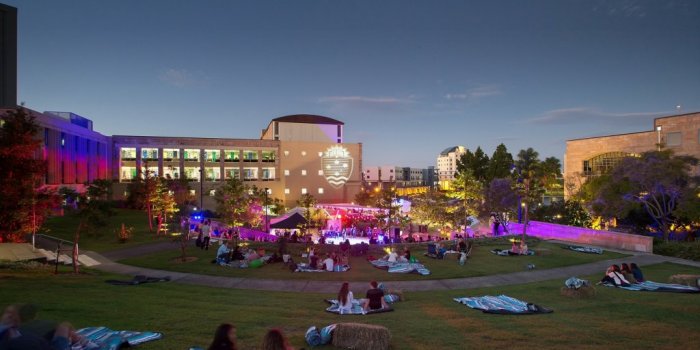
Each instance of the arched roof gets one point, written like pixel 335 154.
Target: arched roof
pixel 449 150
pixel 307 119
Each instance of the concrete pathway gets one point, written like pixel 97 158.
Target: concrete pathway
pixel 107 264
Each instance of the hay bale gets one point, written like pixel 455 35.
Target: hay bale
pixel 583 292
pixel 361 336
pixel 688 280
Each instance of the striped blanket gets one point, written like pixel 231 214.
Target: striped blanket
pixel 650 286
pixel 102 338
pixel 581 249
pixel 336 268
pixel 400 267
pixel 502 304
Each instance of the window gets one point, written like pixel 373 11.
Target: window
pixel 320 190
pixel 286 153
pixel 268 174
pixel 127 153
pixel 303 153
pixel 192 173
pixel 303 172
pixel 170 154
pixel 149 171
pixel 191 155
pixel 212 193
pixel 149 153
pixel 603 163
pixel 192 192
pixel 250 156
pixel 212 173
pixel 286 191
pixel 303 190
pixel 268 156
pixel 286 172
pixel 320 173
pixel 231 156
pixel 250 174
pixel 320 154
pixel 212 155
pixel 673 139
pixel 232 173
pixel 171 172
pixel 127 173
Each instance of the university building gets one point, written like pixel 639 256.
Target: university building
pixel 447 165
pixel 295 155
pixel 589 157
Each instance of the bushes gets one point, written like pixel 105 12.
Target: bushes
pixel 684 250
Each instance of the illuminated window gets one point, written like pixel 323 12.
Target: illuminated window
pixel 320 154
pixel 268 174
pixel 170 154
pixel 150 171
pixel 603 163
pixel 250 174
pixel 286 153
pixel 191 155
pixel 232 173
pixel 320 190
pixel 231 156
pixel 192 173
pixel 127 153
pixel 212 155
pixel 320 172
pixel 303 172
pixel 212 173
pixel 303 153
pixel 286 191
pixel 127 173
pixel 149 153
pixel 286 172
pixel 192 192
pixel 171 172
pixel 250 156
pixel 268 156
pixel 212 193
pixel 303 190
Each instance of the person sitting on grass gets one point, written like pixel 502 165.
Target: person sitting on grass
pixel 18 332
pixel 224 338
pixel 627 273
pixel 223 254
pixel 275 340
pixel 375 298
pixel 328 263
pixel 637 272
pixel 614 277
pixel 345 298
pixel 406 255
pixel 392 257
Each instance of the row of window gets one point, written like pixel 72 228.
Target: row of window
pixel 304 190
pixel 193 155
pixel 128 173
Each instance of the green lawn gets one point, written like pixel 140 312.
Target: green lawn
pixel 481 263
pixel 187 315
pixel 105 239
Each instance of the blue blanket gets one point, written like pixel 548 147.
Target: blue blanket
pixel 589 250
pixel 400 267
pixel 502 304
pixel 102 338
pixel 336 268
pixel 650 286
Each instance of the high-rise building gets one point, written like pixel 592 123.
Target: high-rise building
pixel 8 56
pixel 447 164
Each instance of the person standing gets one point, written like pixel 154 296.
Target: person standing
pixel 206 230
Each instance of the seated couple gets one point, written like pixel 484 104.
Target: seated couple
pixel 227 252
pixel 327 263
pixel 374 298
pixel 394 257
pixel 623 277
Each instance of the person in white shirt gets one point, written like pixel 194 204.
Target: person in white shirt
pixel 345 298
pixel 328 262
pixel 392 257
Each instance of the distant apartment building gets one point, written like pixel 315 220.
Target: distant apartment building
pixel 447 164
pixel 593 156
pixel 296 155
pixel 405 180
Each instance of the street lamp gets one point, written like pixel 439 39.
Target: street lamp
pixel 201 190
pixel 267 229
pixel 658 138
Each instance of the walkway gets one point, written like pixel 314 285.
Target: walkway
pixel 107 264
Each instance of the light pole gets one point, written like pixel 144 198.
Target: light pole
pixel 658 137
pixel 265 204
pixel 201 190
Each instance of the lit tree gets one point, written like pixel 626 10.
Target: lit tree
pixel 163 204
pixel 307 201
pixel 233 202
pixel 22 204
pixel 469 191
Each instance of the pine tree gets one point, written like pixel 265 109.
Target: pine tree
pixel 500 164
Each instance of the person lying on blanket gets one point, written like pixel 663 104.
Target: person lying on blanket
pixel 614 276
pixel 375 298
pixel 17 332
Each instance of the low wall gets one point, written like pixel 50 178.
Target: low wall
pixel 585 236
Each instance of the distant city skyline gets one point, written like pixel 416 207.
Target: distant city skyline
pixel 408 78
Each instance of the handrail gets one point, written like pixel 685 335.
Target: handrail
pixel 53 238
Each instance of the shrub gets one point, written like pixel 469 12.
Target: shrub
pixel 684 250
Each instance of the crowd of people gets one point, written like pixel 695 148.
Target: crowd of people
pixel 623 276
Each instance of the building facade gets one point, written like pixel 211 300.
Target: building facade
pixel 593 156
pixel 8 56
pixel 447 164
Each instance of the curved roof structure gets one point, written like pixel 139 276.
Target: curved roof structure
pixel 449 150
pixel 307 119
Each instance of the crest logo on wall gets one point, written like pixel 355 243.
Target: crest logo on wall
pixel 337 165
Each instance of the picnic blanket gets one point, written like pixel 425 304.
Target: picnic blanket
pixel 336 268
pixel 582 249
pixel 400 267
pixel 138 279
pixel 103 338
pixel 503 305
pixel 506 252
pixel 649 286
pixel 356 308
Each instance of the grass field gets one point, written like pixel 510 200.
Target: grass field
pixel 187 315
pixel 481 263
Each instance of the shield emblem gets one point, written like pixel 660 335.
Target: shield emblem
pixel 337 165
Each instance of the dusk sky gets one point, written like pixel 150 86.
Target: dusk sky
pixel 408 78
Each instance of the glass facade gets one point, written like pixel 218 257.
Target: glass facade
pixel 603 163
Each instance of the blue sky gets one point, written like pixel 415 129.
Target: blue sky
pixel 408 78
